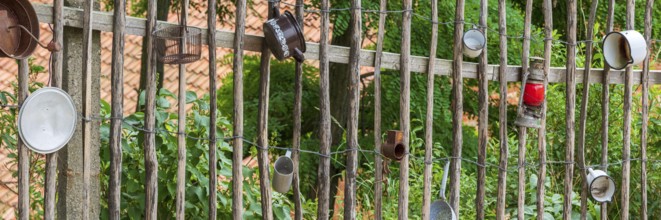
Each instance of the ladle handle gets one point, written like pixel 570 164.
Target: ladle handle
pixel 444 181
pixel 52 46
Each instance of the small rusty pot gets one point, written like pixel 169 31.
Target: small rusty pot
pixel 16 18
pixel 394 148
pixel 284 37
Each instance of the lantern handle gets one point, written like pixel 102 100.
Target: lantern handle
pixel 52 46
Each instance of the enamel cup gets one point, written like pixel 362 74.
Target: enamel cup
pixel 625 48
pixel 283 173
pixel 284 37
pixel 602 186
pixel 474 41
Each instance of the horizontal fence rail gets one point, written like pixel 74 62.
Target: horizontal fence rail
pixel 103 21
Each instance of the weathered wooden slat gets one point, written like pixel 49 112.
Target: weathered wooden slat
pixel 523 131
pixel 237 154
pixel 23 153
pixel 645 112
pixel 570 104
pixel 405 109
pixel 429 119
pixel 339 54
pixel 352 120
pixel 181 125
pixel 457 107
pixel 213 105
pixel 378 160
pixel 502 114
pixel 626 124
pixel 87 104
pixel 580 157
pixel 116 112
pixel 296 137
pixel 323 178
pixel 605 107
pixel 151 163
pixel 55 80
pixel 262 125
pixel 547 8
pixel 483 117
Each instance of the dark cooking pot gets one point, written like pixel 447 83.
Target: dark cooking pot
pixel 284 37
pixel 15 41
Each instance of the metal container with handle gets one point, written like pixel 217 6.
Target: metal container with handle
pixel 440 209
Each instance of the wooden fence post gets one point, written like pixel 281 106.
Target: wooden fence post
pixel 378 159
pixel 523 131
pixel 151 163
pixel 483 117
pixel 569 107
pixel 181 125
pixel 626 124
pixel 645 112
pixel 405 108
pixel 23 152
pixel 605 106
pixel 584 111
pixel 117 109
pixel 213 105
pixel 56 80
pixel 354 100
pixel 237 154
pixel 262 124
pixel 87 105
pixel 429 121
pixel 296 137
pixel 547 7
pixel 323 177
pixel 502 115
pixel 457 107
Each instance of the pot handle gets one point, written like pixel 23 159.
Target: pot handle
pixel 298 55
pixel 276 11
pixel 288 154
pixel 444 181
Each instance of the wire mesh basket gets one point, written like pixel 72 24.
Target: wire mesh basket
pixel 178 44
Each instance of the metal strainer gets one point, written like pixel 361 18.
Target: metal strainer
pixel 440 209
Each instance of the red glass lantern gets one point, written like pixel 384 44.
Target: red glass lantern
pixel 533 95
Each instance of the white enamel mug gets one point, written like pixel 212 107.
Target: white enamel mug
pixel 474 41
pixel 602 186
pixel 283 173
pixel 625 48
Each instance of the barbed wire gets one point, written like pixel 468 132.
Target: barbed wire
pixel 418 159
pixel 447 23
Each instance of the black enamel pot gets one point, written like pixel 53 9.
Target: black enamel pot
pixel 284 37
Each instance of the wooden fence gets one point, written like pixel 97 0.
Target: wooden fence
pixel 356 57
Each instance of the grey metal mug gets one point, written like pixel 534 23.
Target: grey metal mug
pixel 283 173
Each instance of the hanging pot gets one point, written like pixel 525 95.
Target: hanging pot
pixel 474 42
pixel 440 209
pixel 625 48
pixel 394 148
pixel 602 186
pixel 47 120
pixel 18 21
pixel 283 173
pixel 284 37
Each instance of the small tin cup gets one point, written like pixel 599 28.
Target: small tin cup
pixel 283 173
pixel 394 148
pixel 474 41
pixel 284 37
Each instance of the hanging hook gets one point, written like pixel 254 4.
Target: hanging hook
pixel 52 46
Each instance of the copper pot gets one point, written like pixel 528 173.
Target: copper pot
pixel 18 21
pixel 284 37
pixel 394 148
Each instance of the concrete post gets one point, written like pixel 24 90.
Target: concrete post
pixel 70 163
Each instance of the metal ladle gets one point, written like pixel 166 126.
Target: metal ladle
pixel 440 209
